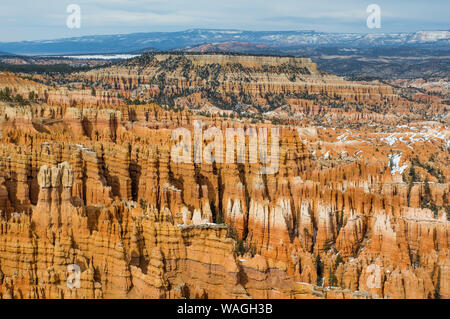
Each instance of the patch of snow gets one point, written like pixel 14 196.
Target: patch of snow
pixel 394 161
pixel 390 140
pixel 102 57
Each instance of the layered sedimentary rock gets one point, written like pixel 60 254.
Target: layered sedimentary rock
pixel 286 88
pixel 95 204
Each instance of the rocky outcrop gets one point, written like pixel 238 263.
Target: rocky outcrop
pixel 91 195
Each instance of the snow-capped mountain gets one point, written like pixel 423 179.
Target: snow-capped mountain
pixel 174 40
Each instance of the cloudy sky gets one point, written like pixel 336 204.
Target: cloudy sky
pixel 46 19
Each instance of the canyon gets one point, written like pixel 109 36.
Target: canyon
pixel 358 207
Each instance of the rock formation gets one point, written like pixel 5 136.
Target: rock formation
pixel 89 186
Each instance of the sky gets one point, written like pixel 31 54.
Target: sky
pixel 46 19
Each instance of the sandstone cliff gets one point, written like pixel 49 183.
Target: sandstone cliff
pixel 351 212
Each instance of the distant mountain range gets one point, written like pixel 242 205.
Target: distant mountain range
pixel 264 41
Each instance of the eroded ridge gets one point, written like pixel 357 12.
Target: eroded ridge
pixel 358 208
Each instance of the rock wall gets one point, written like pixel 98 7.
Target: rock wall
pixel 348 213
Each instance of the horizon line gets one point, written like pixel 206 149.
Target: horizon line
pixel 225 29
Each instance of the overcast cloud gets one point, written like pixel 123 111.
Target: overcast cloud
pixel 46 19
